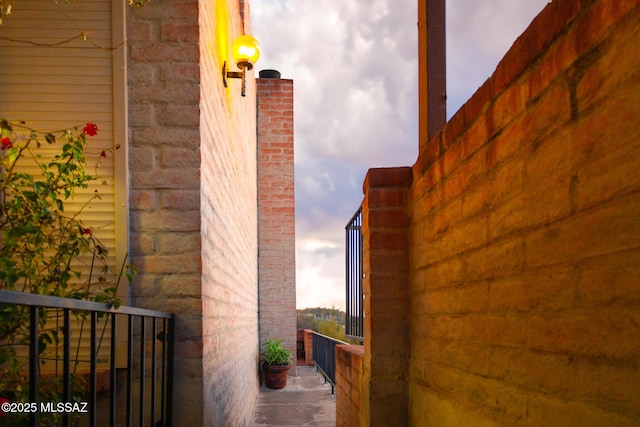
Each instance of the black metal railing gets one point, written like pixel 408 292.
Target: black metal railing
pixel 354 272
pixel 324 356
pixel 152 377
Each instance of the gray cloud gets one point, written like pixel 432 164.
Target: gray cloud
pixel 354 65
pixel 479 33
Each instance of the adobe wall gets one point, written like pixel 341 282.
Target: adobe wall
pixel 193 202
pixel 349 375
pixel 525 235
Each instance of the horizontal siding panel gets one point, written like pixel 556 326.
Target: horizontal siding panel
pixel 93 150
pixel 83 195
pixel 69 72
pixel 63 42
pixel 53 88
pixel 93 5
pixel 103 205
pixel 40 19
pixel 33 100
pixel 91 92
pixel 40 64
pixel 54 81
pixel 68 47
pixel 91 9
pixel 47 14
pixel 44 120
pixel 65 101
pixel 79 110
pixel 40 29
pixel 98 217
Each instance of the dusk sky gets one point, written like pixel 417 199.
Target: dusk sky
pixel 354 66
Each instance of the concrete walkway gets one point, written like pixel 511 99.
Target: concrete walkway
pixel 305 401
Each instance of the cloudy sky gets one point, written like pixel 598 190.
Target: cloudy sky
pixel 354 66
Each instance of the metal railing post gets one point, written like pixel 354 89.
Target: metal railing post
pixel 34 353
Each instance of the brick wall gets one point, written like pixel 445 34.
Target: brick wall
pixel 385 222
pixel 164 181
pixel 229 221
pixel 277 285
pixel 308 347
pixel 349 376
pixel 193 202
pixel 524 244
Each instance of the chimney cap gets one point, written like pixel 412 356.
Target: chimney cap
pixel 269 74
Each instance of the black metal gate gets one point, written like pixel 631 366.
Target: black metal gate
pixel 354 273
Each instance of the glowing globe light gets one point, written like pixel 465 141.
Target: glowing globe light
pixel 246 51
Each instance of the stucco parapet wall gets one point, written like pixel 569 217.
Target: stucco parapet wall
pixel 388 177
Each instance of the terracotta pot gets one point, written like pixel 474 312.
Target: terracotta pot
pixel 276 375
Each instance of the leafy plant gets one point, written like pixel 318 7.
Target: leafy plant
pixel 273 352
pixel 42 245
pixel 39 240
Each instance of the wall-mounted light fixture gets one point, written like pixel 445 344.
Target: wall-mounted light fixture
pixel 246 51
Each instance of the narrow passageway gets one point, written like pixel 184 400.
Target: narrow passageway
pixel 305 401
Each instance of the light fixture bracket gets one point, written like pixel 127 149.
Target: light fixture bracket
pixel 246 51
pixel 226 74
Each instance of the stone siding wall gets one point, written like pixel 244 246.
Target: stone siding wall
pixel 193 202
pixel 164 168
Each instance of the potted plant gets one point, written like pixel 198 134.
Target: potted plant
pixel 276 361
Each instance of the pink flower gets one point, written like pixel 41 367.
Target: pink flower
pixel 90 129
pixel 6 143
